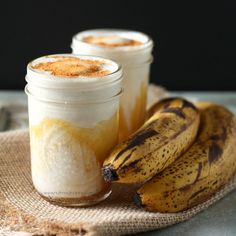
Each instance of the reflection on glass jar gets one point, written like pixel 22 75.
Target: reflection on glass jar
pixel 133 50
pixel 73 114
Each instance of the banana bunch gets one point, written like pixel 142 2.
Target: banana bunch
pixel 180 162
pixel 200 171
pixel 170 130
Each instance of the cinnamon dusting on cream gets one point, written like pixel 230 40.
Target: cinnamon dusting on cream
pixel 73 67
pixel 111 41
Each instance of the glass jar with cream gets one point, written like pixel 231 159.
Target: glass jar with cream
pixel 133 50
pixel 73 116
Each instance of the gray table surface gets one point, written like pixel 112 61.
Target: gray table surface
pixel 217 220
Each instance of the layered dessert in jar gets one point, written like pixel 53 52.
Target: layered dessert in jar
pixel 133 50
pixel 74 119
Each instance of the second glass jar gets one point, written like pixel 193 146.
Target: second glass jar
pixel 133 50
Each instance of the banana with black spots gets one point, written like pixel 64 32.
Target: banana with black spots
pixel 170 130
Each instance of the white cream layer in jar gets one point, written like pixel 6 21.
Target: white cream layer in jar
pixel 133 50
pixel 73 126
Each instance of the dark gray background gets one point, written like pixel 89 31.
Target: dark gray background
pixel 195 43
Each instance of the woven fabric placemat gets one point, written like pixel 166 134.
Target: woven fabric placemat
pixel 22 209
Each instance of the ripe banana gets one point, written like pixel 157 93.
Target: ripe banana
pixel 201 171
pixel 169 131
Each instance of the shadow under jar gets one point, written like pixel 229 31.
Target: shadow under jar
pixel 133 50
pixel 73 104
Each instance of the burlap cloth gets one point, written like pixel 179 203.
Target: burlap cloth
pixel 22 209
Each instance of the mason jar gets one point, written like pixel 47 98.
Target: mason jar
pixel 133 50
pixel 73 104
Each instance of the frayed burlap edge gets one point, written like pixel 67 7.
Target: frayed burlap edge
pixel 13 219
